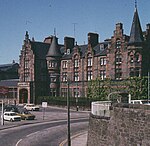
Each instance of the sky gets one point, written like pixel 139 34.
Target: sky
pixel 74 18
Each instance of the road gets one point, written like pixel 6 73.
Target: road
pixel 48 132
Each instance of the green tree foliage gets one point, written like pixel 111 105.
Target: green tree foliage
pixel 98 89
pixel 137 87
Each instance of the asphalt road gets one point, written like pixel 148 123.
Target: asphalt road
pixel 41 134
pixel 50 131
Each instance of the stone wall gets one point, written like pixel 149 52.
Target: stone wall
pixel 127 126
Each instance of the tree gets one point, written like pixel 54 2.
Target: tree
pixel 137 87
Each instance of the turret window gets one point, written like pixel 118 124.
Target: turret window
pixel 52 64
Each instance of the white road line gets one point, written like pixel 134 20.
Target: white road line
pixel 32 133
pixel 18 142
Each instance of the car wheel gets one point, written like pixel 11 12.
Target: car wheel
pixel 11 120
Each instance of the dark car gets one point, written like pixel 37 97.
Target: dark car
pixel 10 108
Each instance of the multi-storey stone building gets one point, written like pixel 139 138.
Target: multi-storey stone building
pixel 47 67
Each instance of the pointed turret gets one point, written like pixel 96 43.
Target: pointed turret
pixel 54 50
pixel 136 36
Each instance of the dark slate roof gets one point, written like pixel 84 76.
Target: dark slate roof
pixel 54 49
pixel 9 83
pixel 136 35
pixel 83 50
pixel 5 67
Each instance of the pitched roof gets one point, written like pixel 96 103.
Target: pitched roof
pixel 9 82
pixel 136 35
pixel 5 67
pixel 54 49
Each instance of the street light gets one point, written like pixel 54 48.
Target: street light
pixel 68 112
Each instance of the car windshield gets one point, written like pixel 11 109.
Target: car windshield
pixel 12 114
pixel 30 105
pixel 26 112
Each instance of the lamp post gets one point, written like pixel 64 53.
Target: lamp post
pixel 68 112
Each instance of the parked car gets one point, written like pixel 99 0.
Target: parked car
pixel 11 116
pixel 26 115
pixel 32 107
pixel 12 108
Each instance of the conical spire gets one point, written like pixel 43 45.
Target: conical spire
pixel 136 35
pixel 54 48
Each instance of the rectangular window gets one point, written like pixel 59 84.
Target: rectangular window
pixel 64 92
pixel 89 75
pixel 118 74
pixel 76 92
pixel 26 63
pixel 65 64
pixel 76 76
pixel 64 77
pixel 103 74
pixel 76 63
pixel 90 62
pixel 118 59
pixel 102 61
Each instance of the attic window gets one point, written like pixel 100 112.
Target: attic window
pixel 101 47
pixel 68 51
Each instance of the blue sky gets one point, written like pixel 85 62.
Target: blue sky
pixel 40 17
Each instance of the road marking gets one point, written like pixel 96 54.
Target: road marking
pixel 18 142
pixel 32 133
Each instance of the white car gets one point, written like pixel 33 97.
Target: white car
pixel 11 116
pixel 31 107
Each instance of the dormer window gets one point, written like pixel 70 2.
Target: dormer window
pixel 68 51
pixel 101 47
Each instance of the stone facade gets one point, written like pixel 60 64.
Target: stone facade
pixel 127 126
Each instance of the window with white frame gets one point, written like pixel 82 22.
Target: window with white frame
pixel 103 61
pixel 118 58
pixel 118 44
pixel 76 76
pixel 89 75
pixel 103 74
pixel 65 64
pixel 76 63
pixel 64 76
pixel 90 61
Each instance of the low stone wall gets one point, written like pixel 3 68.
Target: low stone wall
pixel 128 125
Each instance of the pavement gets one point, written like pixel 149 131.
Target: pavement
pixel 79 139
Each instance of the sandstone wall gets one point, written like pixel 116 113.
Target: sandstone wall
pixel 127 126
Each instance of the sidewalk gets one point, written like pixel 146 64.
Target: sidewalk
pixel 79 139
